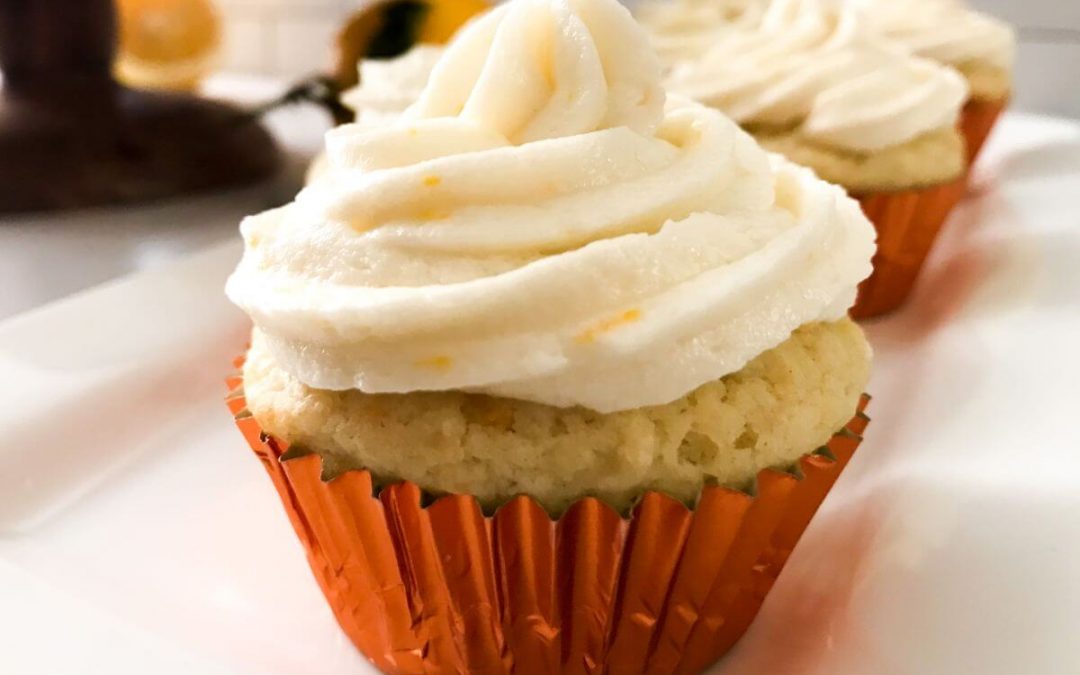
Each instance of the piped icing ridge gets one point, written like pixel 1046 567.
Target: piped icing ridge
pixel 815 66
pixel 545 224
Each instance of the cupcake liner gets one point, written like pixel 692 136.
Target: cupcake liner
pixel 907 223
pixel 977 120
pixel 442 588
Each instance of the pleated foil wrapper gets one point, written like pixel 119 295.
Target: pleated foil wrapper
pixel 907 224
pixel 433 586
pixel 977 120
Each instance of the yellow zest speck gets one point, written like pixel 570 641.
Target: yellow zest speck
pixel 436 363
pixel 608 325
pixel 361 225
pixel 433 214
pixel 413 131
pixel 432 181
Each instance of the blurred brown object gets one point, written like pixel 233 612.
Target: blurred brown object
pixel 166 44
pixel 70 136
pixel 386 28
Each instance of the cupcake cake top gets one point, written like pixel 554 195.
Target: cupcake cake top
pixel 814 66
pixel 944 30
pixel 389 86
pixel 541 226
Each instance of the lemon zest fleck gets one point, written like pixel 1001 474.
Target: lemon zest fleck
pixel 436 363
pixel 607 325
pixel 433 214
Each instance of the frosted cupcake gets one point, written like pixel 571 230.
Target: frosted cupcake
pixel 685 29
pixel 981 47
pixel 810 82
pixel 544 294
pixel 388 86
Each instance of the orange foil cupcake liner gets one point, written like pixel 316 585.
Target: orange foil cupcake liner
pixel 442 588
pixel 907 223
pixel 977 120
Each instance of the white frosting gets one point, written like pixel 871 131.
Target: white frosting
pixel 944 30
pixel 389 86
pixel 540 226
pixel 811 64
pixel 685 29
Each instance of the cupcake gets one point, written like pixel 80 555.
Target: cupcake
pixel 387 87
pixel 810 82
pixel 685 29
pixel 981 47
pixel 385 53
pixel 385 29
pixel 552 372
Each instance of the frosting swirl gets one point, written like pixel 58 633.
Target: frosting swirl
pixel 540 226
pixel 684 29
pixel 944 30
pixel 389 86
pixel 812 65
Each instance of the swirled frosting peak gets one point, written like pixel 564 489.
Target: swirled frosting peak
pixel 536 70
pixel 944 30
pixel 814 65
pixel 684 29
pixel 541 225
pixel 389 86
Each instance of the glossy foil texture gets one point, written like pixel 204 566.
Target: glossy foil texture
pixel 977 120
pixel 442 588
pixel 907 224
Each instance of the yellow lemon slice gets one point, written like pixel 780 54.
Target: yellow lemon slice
pixel 390 27
pixel 166 44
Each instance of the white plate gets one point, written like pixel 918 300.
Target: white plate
pixel 138 534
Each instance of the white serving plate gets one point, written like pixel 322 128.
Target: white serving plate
pixel 138 534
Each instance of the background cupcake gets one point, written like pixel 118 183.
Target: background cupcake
pixel 684 29
pixel 541 292
pixel 384 54
pixel 387 87
pixel 981 47
pixel 808 80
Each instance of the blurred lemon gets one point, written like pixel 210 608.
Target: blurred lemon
pixel 386 28
pixel 444 17
pixel 166 44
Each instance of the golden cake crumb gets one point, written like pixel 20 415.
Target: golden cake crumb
pixel 436 363
pixel 931 159
pixel 986 82
pixel 784 404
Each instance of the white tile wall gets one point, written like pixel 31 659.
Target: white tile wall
pixel 1048 61
pixel 248 45
pixel 291 38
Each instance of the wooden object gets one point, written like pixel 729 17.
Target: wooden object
pixel 70 136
